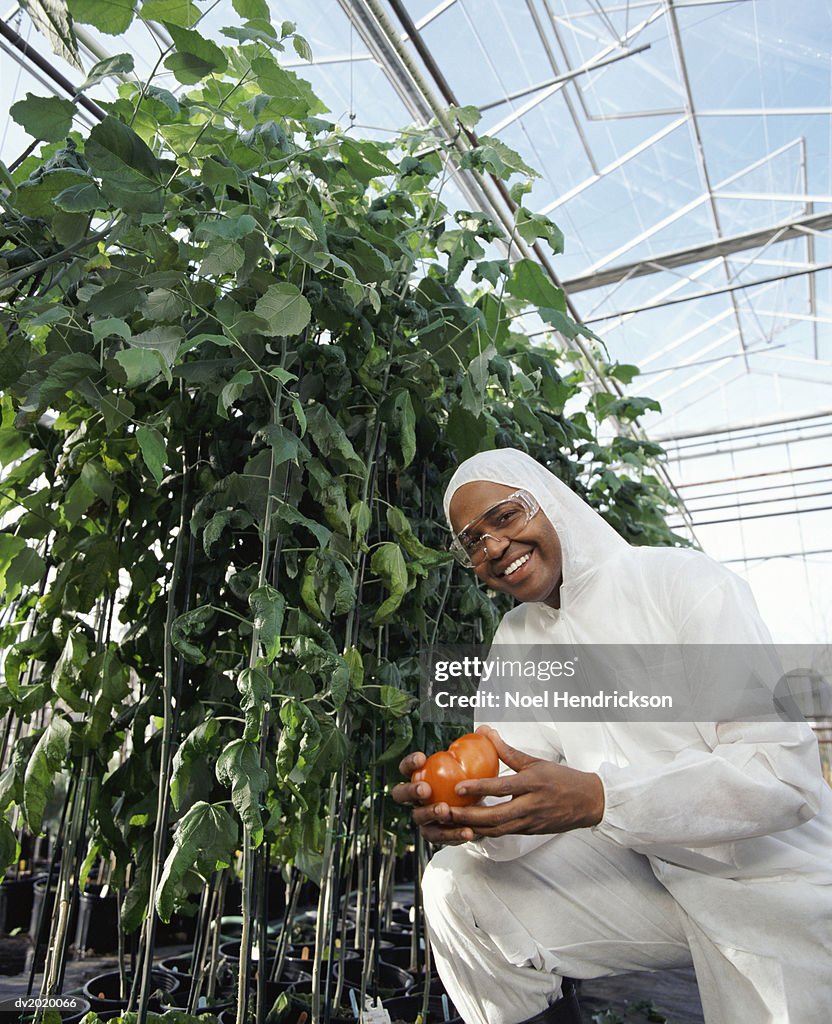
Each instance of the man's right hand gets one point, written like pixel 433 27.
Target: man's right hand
pixel 431 818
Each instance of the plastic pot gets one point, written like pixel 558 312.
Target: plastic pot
pixel 13 952
pixel 16 895
pixel 400 956
pixel 392 981
pixel 103 990
pixel 97 926
pixel 407 1007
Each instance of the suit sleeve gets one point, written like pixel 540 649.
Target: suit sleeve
pixel 749 778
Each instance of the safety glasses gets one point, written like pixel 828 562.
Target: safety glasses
pixel 504 520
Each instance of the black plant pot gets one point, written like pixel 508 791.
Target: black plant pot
pixel 13 952
pixel 406 1008
pixel 16 895
pixel 97 926
pixel 103 990
pixel 290 982
pixel 392 981
pixel 400 956
pixel 40 921
pixel 177 931
pixel 297 1009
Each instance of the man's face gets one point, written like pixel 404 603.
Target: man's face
pixel 539 577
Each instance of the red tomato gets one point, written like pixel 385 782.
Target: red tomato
pixel 470 757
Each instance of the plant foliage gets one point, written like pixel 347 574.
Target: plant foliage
pixel 242 351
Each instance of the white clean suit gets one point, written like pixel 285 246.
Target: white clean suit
pixel 715 847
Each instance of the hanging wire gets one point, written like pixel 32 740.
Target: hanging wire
pixel 19 19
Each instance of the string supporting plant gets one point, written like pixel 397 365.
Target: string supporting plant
pixel 243 350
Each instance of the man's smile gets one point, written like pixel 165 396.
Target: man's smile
pixel 515 567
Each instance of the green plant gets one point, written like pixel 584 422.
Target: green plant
pixel 238 366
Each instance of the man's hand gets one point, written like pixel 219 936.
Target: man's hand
pixel 427 815
pixel 545 798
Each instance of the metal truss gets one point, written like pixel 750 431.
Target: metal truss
pixel 698 253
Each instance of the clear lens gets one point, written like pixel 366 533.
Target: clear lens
pixel 505 520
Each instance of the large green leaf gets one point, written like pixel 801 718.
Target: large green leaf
pixel 67 675
pixel 196 57
pixel 403 425
pixel 286 446
pixel 50 751
pixel 293 97
pixel 223 257
pixel 119 64
pixel 365 160
pixel 140 365
pixel 110 681
pixel 204 841
pixel 47 118
pixel 193 753
pixel 53 19
pixel 284 308
pixel 9 847
pixel 409 541
pixel 268 606
pixel 129 172
pixel 82 197
pixel 239 767
pixel 15 352
pixel 251 10
pixel 183 13
pixel 35 197
pixel 154 451
pixel 285 517
pixel 329 436
pixel 530 281
pixel 255 688
pixel 184 628
pixel 388 562
pixel 109 16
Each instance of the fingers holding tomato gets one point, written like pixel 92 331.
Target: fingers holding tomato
pixel 472 756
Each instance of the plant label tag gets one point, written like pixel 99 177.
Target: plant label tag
pixel 374 1014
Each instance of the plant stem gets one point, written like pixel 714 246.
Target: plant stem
pixel 47 261
pixel 248 849
pixel 159 832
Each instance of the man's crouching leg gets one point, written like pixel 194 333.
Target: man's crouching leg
pixel 493 969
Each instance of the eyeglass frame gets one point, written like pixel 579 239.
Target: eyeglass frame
pixel 456 546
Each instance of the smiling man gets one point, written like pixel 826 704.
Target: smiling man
pixel 606 847
pixel 509 545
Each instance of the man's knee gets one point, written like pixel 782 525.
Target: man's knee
pixel 448 884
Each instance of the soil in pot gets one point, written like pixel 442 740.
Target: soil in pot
pixel 103 990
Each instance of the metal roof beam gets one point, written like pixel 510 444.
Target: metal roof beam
pixel 726 290
pixel 730 428
pixel 699 253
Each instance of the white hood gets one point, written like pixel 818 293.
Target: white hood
pixel 586 539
